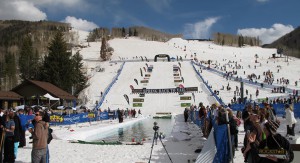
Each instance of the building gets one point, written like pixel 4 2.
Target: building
pixel 42 93
pixel 9 99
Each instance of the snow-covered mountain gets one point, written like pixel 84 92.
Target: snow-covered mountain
pixel 242 60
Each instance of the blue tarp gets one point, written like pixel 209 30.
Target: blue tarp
pixel 222 144
pixel 279 108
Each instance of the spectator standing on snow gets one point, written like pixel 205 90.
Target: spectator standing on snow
pixel 39 136
pixel 9 138
pixel 186 114
pixel 290 120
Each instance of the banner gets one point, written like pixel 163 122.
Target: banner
pixel 137 104
pixel 178 81
pixel 166 90
pixel 185 104
pixel 144 81
pixel 185 98
pixel 137 100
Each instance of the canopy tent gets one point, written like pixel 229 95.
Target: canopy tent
pixel 47 95
pixel 19 107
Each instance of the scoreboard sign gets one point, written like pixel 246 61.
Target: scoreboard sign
pixel 138 100
pixel 185 98
pixel 185 104
pixel 177 81
pixel 137 104
pixel 144 81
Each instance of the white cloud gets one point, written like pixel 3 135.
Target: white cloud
pixel 200 29
pixel 262 0
pixel 64 3
pixel 267 35
pixel 20 10
pixel 159 5
pixel 80 23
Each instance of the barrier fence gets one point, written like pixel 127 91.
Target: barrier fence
pixel 220 138
pixel 258 84
pixel 109 87
pixel 207 86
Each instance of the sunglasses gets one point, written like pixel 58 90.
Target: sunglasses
pixel 37 115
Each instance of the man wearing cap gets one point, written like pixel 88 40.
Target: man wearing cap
pixel 272 140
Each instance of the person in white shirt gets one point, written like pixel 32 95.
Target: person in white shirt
pixel 290 120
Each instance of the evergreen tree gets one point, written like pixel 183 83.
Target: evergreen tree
pixel 103 49
pixel 130 32
pixel 10 70
pixel 28 61
pixel 58 66
pixel 135 33
pixel 79 77
pixel 123 32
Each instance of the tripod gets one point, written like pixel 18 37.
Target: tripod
pixel 156 135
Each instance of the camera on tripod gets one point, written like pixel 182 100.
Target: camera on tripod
pixel 158 136
pixel 155 127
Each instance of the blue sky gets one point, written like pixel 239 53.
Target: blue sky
pixel 268 19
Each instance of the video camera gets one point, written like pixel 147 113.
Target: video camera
pixel 155 127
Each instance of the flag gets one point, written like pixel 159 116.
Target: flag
pixel 136 82
pixel 193 96
pixel 141 72
pixel 126 98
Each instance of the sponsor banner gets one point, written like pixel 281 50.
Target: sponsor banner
pixel 177 81
pixel 176 77
pixel 56 118
pixel 146 78
pixel 166 90
pixel 175 74
pixel 185 104
pixel 138 100
pixel 91 115
pixel 147 75
pixel 144 81
pixel 137 104
pixel 185 98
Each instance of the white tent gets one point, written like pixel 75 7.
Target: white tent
pixel 19 107
pixel 47 95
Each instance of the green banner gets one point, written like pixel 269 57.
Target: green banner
pixel 185 98
pixel 137 104
pixel 185 104
pixel 260 100
pixel 138 100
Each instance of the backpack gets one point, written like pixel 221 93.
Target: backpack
pixel 50 137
